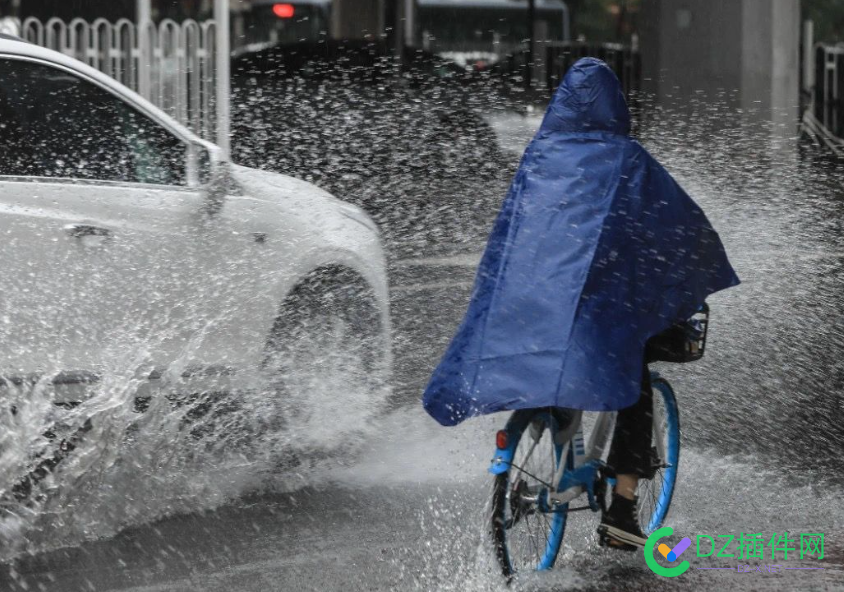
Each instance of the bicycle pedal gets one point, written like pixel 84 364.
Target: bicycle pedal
pixel 606 540
pixel 603 537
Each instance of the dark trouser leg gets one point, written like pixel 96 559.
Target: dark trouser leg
pixel 630 452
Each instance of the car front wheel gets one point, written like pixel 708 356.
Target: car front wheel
pixel 327 359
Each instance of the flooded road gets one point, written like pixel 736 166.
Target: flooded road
pixel 760 420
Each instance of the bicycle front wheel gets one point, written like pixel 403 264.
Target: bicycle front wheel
pixel 525 536
pixel 655 494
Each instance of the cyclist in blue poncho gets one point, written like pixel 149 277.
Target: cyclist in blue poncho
pixel 596 250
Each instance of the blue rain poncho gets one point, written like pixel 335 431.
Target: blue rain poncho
pixel 595 250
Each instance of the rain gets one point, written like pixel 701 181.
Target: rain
pixel 217 327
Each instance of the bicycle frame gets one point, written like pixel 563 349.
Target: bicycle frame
pixel 587 459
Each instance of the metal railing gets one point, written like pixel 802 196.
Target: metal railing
pixel 171 64
pixel 623 59
pixel 828 92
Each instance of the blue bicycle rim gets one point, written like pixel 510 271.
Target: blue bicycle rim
pixel 558 522
pixel 555 539
pixel 673 453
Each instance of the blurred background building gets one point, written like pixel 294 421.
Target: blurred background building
pixel 449 22
pixel 677 50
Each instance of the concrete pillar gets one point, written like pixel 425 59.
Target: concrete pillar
pixel 409 22
pixel 771 58
pixel 785 64
pixel 744 52
pixel 808 81
pixel 400 18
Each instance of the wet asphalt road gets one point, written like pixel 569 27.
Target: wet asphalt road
pixel 760 426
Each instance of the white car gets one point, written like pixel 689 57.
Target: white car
pixel 133 251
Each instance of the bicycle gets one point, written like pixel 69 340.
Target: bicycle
pixel 537 477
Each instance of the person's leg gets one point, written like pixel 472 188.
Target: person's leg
pixel 630 451
pixel 626 485
pixel 630 457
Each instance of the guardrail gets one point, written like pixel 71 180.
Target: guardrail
pixel 625 61
pixel 171 64
pixel 828 95
pixel 554 58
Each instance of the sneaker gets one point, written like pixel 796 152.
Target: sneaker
pixel 620 527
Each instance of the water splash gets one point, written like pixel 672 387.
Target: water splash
pixel 130 451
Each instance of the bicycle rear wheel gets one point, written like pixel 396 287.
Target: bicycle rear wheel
pixel 524 536
pixel 655 494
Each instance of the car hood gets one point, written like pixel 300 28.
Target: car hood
pixel 276 188
pixel 267 186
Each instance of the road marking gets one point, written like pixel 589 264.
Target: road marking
pixel 463 260
pixel 432 286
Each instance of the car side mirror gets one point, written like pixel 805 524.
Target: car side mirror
pixel 210 172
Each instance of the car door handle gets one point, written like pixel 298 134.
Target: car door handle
pixel 83 230
pixel 89 237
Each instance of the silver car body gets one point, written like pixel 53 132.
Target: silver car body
pixel 105 277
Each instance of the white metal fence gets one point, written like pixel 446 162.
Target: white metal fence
pixel 171 64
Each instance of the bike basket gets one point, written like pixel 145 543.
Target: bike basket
pixel 681 342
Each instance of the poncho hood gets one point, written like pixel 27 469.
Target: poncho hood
pixel 589 99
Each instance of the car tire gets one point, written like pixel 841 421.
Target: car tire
pixel 327 358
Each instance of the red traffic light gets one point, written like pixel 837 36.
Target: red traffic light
pixel 284 11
